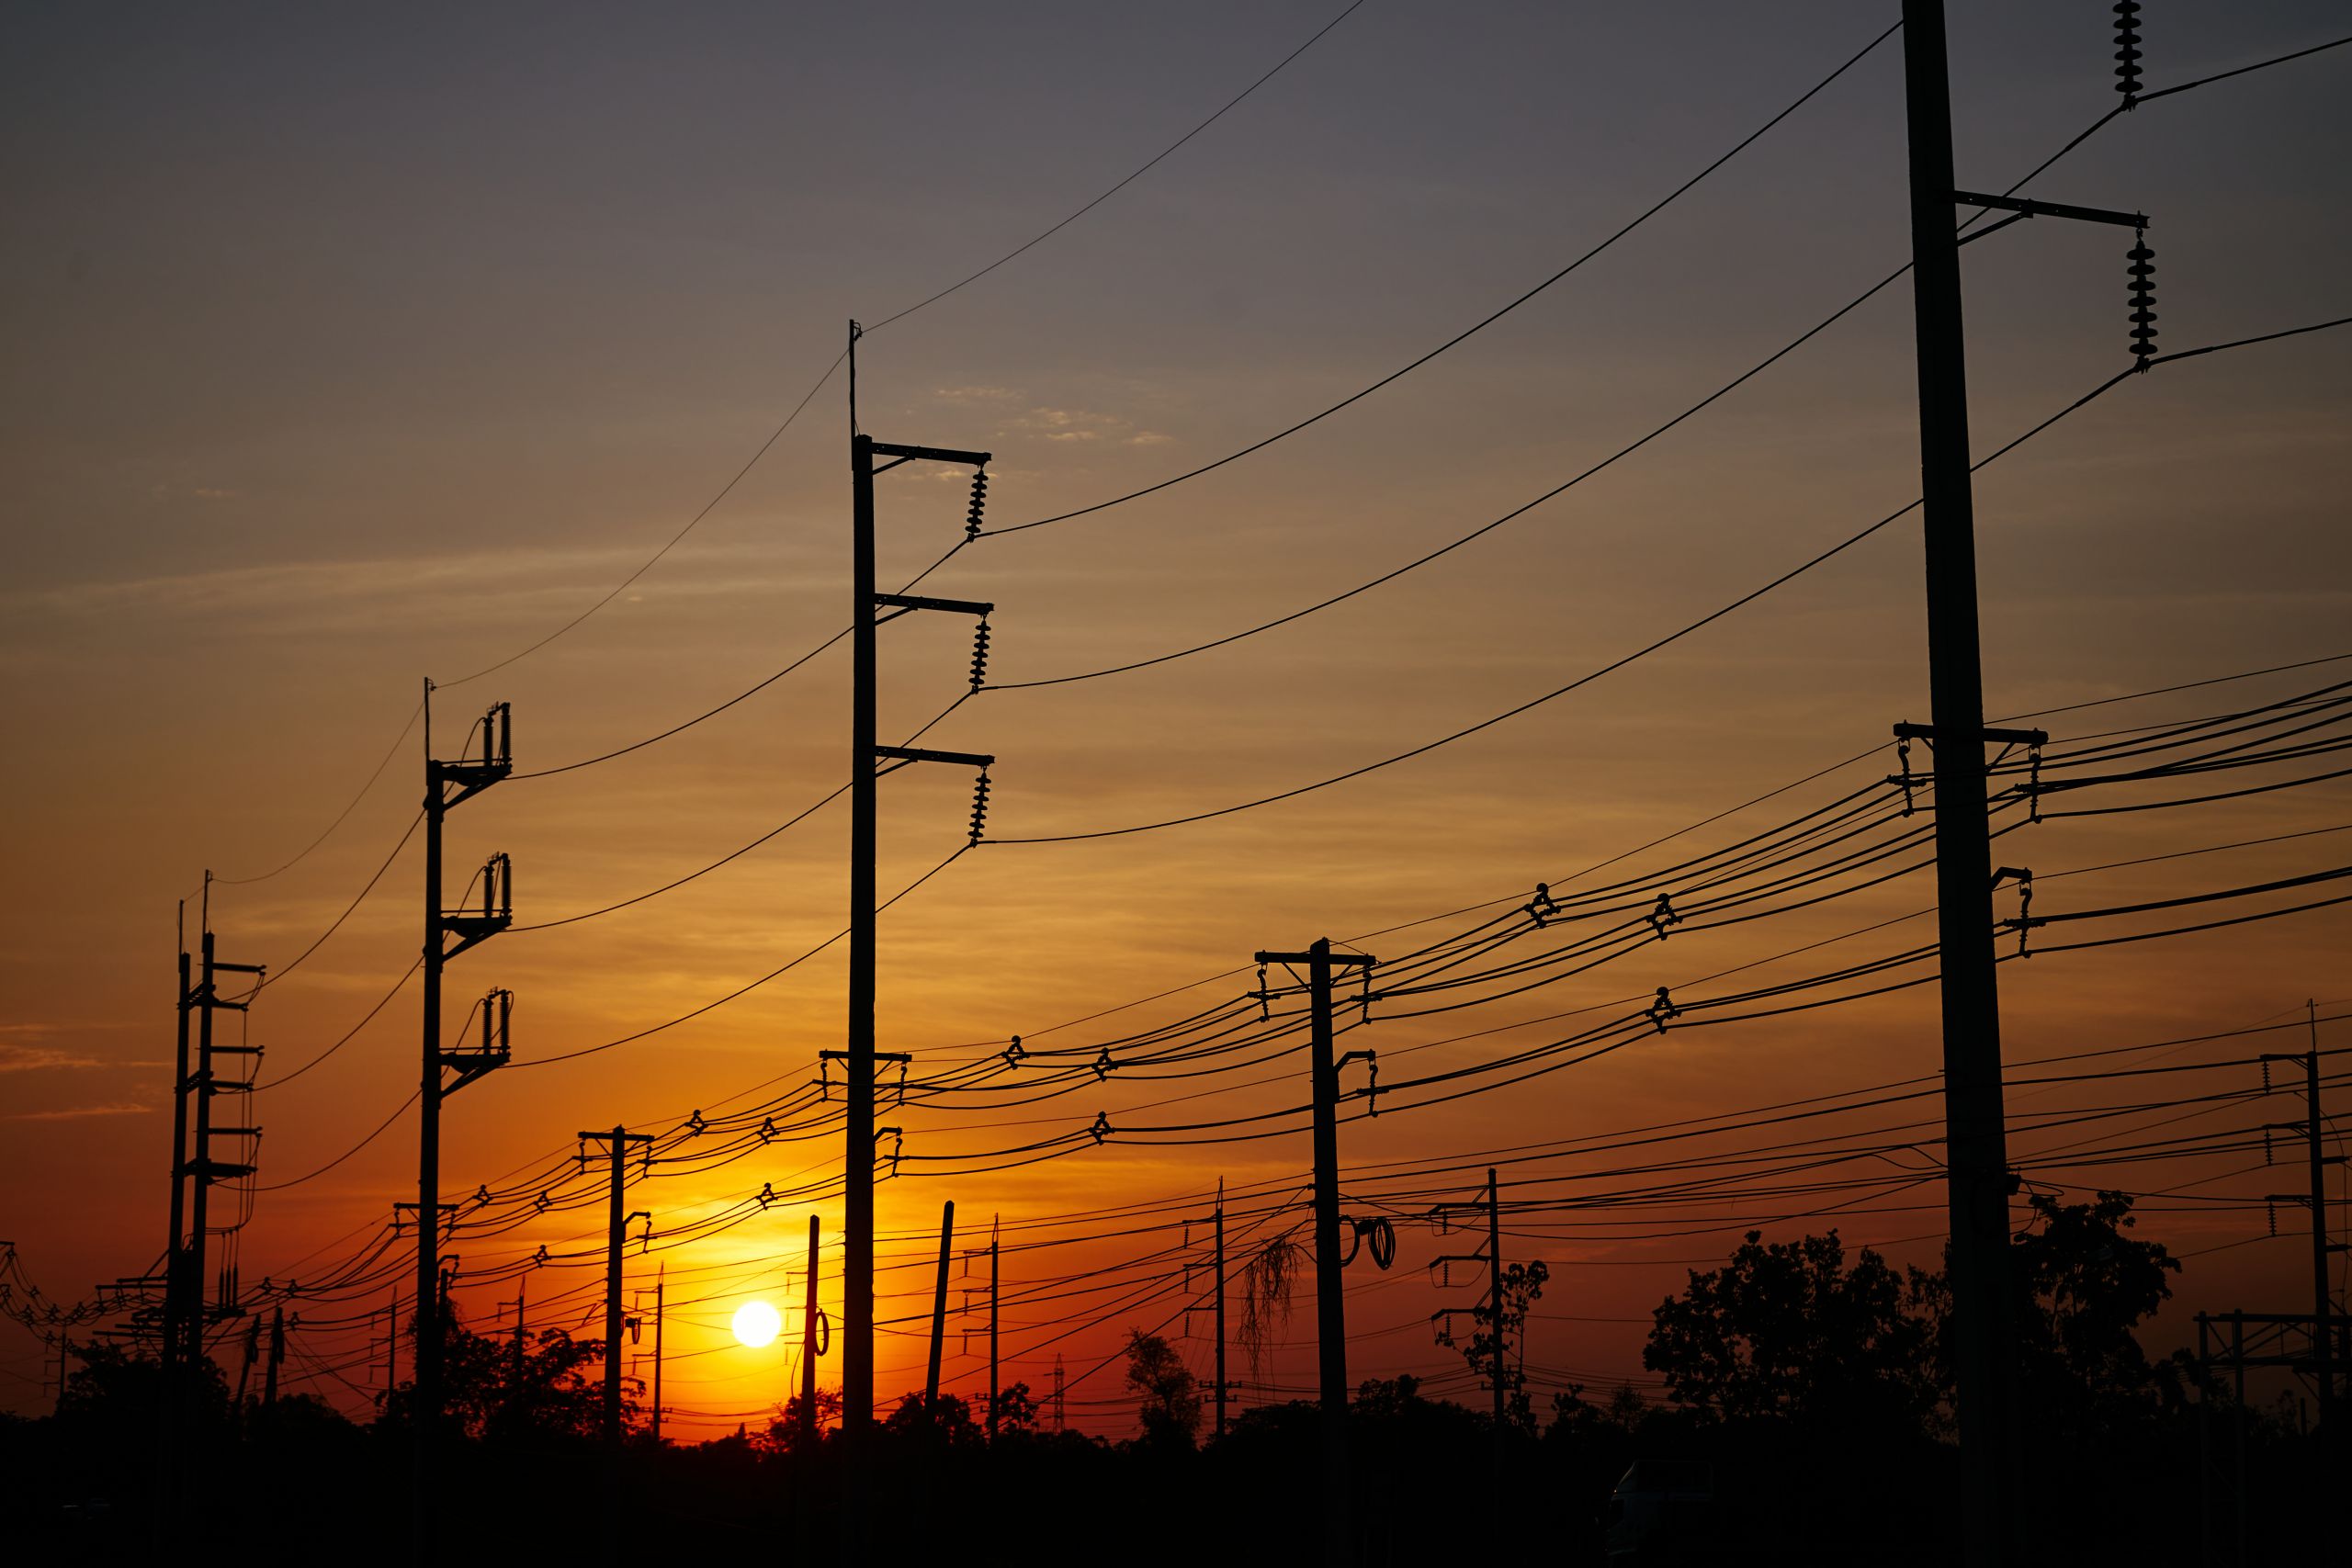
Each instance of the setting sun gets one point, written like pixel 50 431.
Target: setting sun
pixel 757 1323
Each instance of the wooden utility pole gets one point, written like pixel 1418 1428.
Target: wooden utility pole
pixel 1974 1132
pixel 1330 1306
pixel 276 1356
pixel 2309 1129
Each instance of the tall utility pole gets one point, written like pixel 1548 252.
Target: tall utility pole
pixel 2323 1300
pixel 1974 1132
pixel 1330 1308
pixel 939 1311
pixel 857 1279
pixel 174 1269
pixel 448 784
pixel 808 1347
pixel 199 1170
pixel 616 1222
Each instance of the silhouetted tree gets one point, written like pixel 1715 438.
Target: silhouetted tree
pixel 1787 1330
pixel 947 1420
pixel 1016 1409
pixel 1500 1321
pixel 1171 1400
pixel 784 1432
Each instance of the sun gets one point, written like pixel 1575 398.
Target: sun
pixel 757 1323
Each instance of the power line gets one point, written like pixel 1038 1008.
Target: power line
pixel 1669 638
pixel 1473 330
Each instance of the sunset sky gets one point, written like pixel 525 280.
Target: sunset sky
pixel 349 350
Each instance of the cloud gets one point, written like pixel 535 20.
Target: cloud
pixel 16 1058
pixel 75 1113
pixel 976 395
pixel 1149 438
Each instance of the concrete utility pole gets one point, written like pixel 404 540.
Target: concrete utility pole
pixel 1494 1297
pixel 448 785
pixel 1330 1306
pixel 616 1224
pixel 809 1347
pixel 857 1279
pixel 2323 1299
pixel 993 1392
pixel 939 1311
pixel 658 1282
pixel 1974 1130
pixel 1220 1306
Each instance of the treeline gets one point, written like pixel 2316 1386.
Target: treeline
pixel 1812 1386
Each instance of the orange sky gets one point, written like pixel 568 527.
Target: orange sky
pixel 334 373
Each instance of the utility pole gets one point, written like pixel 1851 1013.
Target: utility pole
pixel 174 1267
pixel 1220 1306
pixel 1330 1308
pixel 522 1283
pixel 616 1222
pixel 2323 1300
pixel 1974 1130
pixel 276 1356
pixel 1494 1297
pixel 391 1344
pixel 865 754
pixel 939 1311
pixel 1058 1408
pixel 448 784
pixel 808 1347
pixel 658 1281
pixel 200 1170
pixel 994 1239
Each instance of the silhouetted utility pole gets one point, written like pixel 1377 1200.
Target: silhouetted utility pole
pixel 616 1224
pixel 1216 1305
pixel 276 1356
pixel 1330 1308
pixel 2323 1300
pixel 1058 1409
pixel 939 1311
pixel 809 1347
pixel 200 1170
pixel 175 1252
pixel 865 755
pixel 1220 1306
pixel 521 1282
pixel 1495 1295
pixel 658 1282
pixel 994 1241
pixel 448 785
pixel 1979 1182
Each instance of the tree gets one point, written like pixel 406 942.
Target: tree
pixel 2079 1286
pixel 1015 1409
pixel 1787 1330
pixel 1171 1400
pixel 1502 1316
pixel 784 1432
pixel 553 1388
pixel 946 1420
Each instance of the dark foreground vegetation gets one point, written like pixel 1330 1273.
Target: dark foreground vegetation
pixel 1811 1387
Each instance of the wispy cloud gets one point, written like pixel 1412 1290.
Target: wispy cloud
pixel 26 1059
pixel 75 1114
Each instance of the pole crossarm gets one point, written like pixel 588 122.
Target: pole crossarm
pixel 2027 209
pixel 918 602
pixel 924 754
pixel 926 454
pixel 1992 735
pixel 1336 960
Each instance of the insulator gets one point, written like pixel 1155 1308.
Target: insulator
pixel 2127 53
pixel 979 655
pixel 979 806
pixel 2144 300
pixel 979 504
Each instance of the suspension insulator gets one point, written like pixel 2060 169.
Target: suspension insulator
pixel 2127 50
pixel 979 655
pixel 979 504
pixel 2144 302
pixel 980 811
